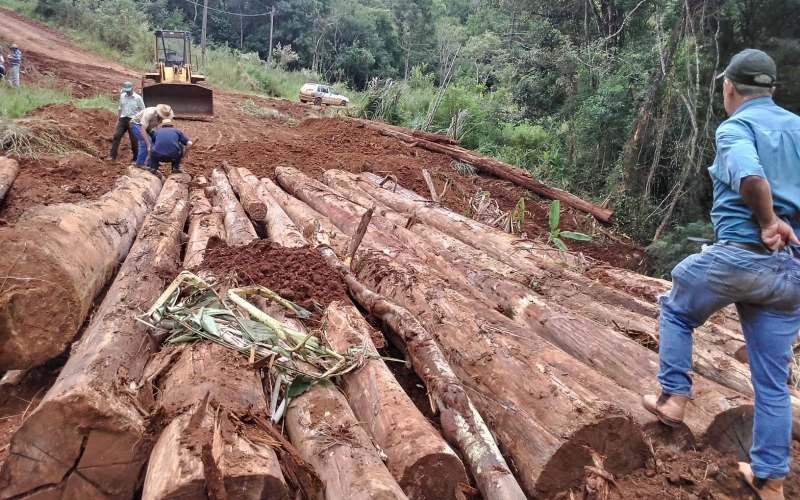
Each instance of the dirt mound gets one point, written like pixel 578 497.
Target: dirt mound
pixel 92 125
pixel 297 274
pixel 693 475
pixel 69 179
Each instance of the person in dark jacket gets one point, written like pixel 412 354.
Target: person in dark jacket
pixel 169 145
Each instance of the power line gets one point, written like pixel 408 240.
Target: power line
pixel 226 12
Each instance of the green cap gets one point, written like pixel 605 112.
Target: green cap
pixel 127 86
pixel 751 67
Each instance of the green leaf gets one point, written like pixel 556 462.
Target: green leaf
pixel 576 236
pixel 555 214
pixel 299 385
pixel 560 244
pixel 209 325
pixel 257 332
pixel 324 382
pixel 182 338
pixel 555 234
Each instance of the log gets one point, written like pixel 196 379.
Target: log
pixel 416 455
pixel 206 389
pixel 627 363
pixel 439 138
pixel 542 404
pixel 238 228
pixel 86 438
pixel 55 262
pixel 205 222
pixel 279 227
pixel 9 170
pixel 254 207
pixel 504 171
pixel 310 223
pixel 556 282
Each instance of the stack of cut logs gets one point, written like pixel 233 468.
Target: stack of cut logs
pixel 526 358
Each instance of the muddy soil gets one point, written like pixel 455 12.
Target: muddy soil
pixel 692 475
pixel 297 274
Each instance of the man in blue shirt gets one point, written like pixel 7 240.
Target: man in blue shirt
pixel 14 62
pixel 754 264
pixel 169 145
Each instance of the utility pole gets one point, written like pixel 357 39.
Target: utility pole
pixel 203 35
pixel 271 24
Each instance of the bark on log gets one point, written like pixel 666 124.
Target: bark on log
pixel 238 228
pixel 85 440
pixel 57 259
pixel 205 222
pixel 308 221
pixel 326 433
pixel 438 138
pixel 279 227
pixel 254 207
pixel 206 386
pixel 9 170
pixel 417 456
pixel 612 354
pixel 529 391
pixel 506 172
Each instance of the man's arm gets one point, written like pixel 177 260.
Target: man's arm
pixel 119 112
pixel 757 195
pixel 139 103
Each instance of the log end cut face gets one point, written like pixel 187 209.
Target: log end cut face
pixel 618 439
pixel 732 432
pixel 40 310
pixel 434 477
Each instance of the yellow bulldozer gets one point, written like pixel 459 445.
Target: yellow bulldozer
pixel 174 81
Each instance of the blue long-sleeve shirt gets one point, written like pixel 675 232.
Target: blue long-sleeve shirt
pixel 760 138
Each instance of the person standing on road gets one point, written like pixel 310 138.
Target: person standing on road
pixel 143 123
pixel 130 103
pixel 14 62
pixel 754 264
pixel 169 145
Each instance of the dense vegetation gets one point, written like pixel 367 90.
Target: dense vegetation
pixel 610 99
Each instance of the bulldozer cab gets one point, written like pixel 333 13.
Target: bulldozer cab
pixel 174 80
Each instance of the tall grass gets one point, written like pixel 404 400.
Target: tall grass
pixel 16 102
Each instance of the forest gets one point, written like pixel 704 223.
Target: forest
pixel 613 100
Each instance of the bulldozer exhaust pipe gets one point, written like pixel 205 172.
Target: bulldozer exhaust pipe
pixel 186 99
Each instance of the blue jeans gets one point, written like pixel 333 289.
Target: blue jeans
pixel 141 157
pixel 766 291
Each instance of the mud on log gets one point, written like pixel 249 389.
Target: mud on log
pixel 85 439
pixel 279 227
pixel 543 405
pixel 238 228
pixel 57 259
pixel 206 389
pixel 205 222
pixel 9 170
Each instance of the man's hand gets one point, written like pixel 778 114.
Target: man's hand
pixel 778 234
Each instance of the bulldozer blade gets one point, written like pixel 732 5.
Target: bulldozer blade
pixel 187 100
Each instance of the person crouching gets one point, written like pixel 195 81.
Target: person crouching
pixel 169 145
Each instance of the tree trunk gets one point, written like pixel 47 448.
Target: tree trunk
pixel 503 171
pixel 205 389
pixel 9 170
pixel 279 227
pixel 421 134
pixel 205 222
pixel 563 324
pixel 308 221
pixel 86 438
pixel 326 433
pixel 542 404
pixel 238 228
pixel 57 259
pixel 254 207
pixel 417 456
